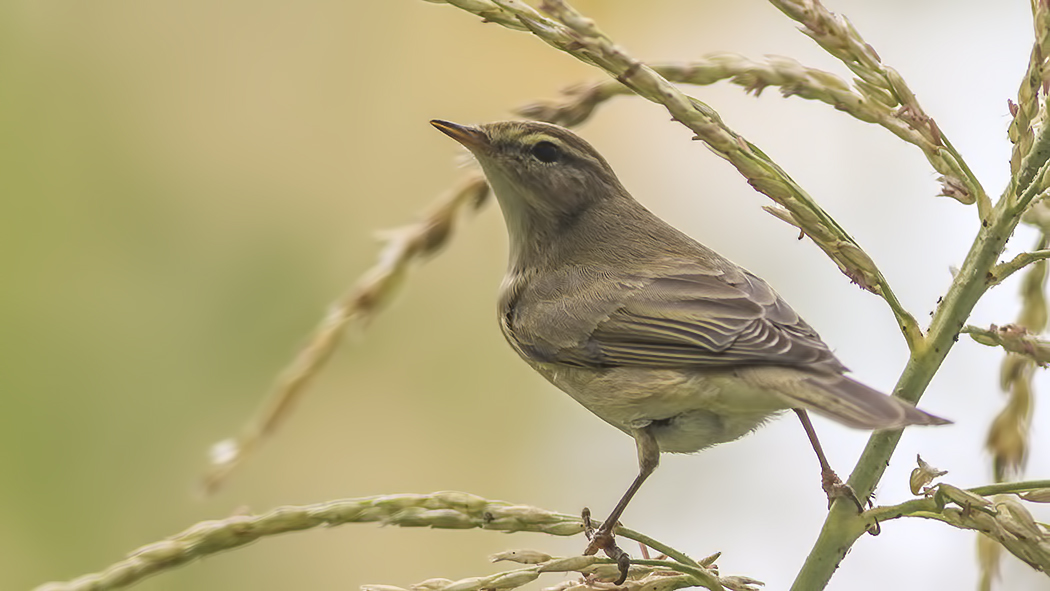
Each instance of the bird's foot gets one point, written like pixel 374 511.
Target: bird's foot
pixel 603 538
pixel 836 489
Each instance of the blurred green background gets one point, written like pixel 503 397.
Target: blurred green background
pixel 185 186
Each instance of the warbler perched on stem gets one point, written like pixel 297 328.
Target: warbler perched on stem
pixel 655 333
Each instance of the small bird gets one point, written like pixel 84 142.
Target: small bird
pixel 653 332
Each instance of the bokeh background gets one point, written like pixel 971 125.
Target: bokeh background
pixel 185 186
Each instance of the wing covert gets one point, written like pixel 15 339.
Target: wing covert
pixel 704 319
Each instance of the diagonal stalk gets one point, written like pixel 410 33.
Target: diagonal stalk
pixel 843 525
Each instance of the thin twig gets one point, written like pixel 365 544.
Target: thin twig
pixel 487 10
pixel 791 77
pixel 1002 488
pixel 880 83
pixel 1013 339
pixel 442 510
pixel 360 304
pixel 1002 517
pixel 1000 272
pixel 1038 184
pixel 644 575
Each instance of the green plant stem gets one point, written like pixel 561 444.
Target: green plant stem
pixel 1003 520
pixel 1013 339
pixel 660 547
pixel 926 504
pixel 444 510
pixel 701 575
pixel 1000 488
pixel 1004 270
pixel 670 575
pixel 754 76
pixel 843 525
pixel 984 203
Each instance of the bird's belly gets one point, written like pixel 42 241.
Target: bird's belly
pixel 685 410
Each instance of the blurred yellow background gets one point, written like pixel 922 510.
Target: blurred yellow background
pixel 185 186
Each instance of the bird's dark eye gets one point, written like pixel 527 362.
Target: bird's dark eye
pixel 546 152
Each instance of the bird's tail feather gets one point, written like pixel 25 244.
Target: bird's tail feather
pixel 851 403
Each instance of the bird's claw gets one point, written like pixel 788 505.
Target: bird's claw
pixel 836 489
pixel 603 538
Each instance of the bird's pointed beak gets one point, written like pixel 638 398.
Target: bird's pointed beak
pixel 472 138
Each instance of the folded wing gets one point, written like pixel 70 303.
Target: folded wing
pixel 673 320
pixel 696 319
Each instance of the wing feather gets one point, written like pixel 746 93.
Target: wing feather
pixel 691 318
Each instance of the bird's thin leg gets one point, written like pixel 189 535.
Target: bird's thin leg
pixel 830 482
pixel 603 538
